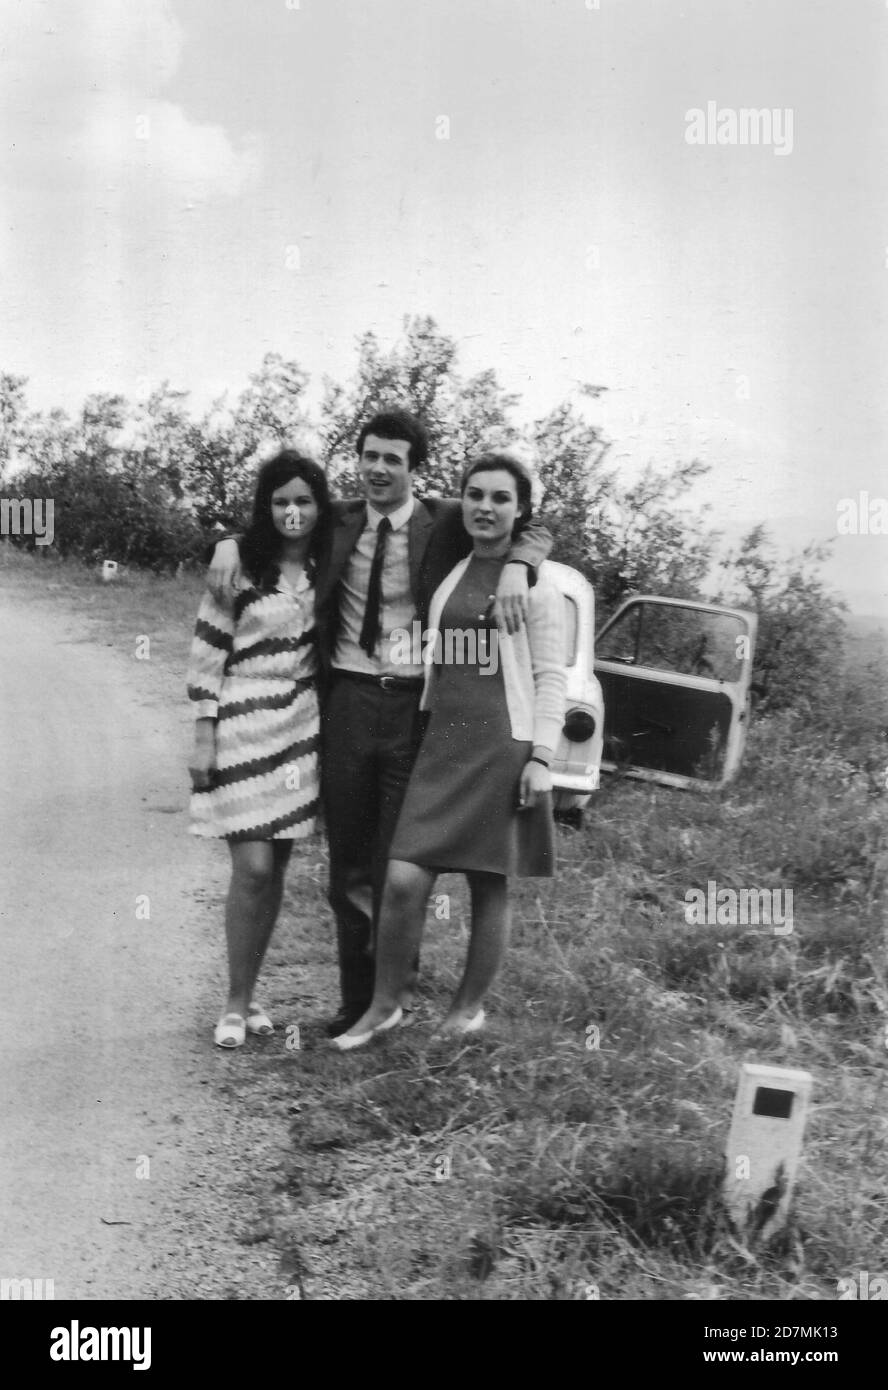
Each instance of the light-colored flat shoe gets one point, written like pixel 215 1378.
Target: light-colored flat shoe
pixel 230 1031
pixel 474 1024
pixel 347 1042
pixel 258 1021
pixel 456 1030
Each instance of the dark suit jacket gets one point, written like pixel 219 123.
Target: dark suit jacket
pixel 437 541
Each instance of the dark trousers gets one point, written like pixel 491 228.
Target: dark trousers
pixel 370 738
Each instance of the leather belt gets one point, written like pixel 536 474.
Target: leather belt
pixel 381 682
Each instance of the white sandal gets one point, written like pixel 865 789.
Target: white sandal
pixel 258 1021
pixel 230 1031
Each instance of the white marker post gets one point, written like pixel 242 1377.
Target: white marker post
pixel 109 570
pixel 764 1146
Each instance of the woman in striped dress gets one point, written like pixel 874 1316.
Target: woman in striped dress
pixel 252 682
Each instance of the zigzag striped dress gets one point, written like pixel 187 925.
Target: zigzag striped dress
pixel 252 669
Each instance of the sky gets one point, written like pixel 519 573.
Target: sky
pixel 189 184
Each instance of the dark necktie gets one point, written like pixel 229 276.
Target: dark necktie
pixel 370 625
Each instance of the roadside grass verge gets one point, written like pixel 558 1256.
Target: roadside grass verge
pixel 135 604
pixel 575 1150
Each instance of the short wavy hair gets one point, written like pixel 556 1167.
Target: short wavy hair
pixel 488 463
pixel 397 423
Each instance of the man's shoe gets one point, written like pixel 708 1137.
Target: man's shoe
pixel 345 1019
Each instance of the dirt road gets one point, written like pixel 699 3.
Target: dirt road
pixel 123 1171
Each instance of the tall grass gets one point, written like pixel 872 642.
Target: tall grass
pixel 548 1160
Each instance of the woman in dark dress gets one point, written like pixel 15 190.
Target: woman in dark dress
pixel 497 707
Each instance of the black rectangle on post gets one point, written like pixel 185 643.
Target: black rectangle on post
pixel 776 1104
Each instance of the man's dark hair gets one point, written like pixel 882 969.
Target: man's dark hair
pixel 491 462
pixel 260 545
pixel 398 424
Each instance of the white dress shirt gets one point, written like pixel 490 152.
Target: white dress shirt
pixel 397 603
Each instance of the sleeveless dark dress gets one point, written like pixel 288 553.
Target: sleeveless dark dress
pixel 461 807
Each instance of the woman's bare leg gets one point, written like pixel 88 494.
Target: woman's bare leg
pixel 254 899
pixel 401 920
pixel 281 850
pixel 491 920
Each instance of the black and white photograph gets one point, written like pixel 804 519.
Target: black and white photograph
pixel 444 666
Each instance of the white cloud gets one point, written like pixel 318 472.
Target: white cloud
pixel 81 83
pixel 122 137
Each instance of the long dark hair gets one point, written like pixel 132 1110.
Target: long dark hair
pixel 491 462
pixel 260 545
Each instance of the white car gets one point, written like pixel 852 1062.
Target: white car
pixel 577 760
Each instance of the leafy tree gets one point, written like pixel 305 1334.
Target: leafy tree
pixel 272 409
pixel 800 642
pixel 48 442
pixel 111 494
pixel 222 450
pixel 462 415
pixel 161 439
pixel 650 541
pixel 103 417
pixel 569 454
pixel 12 414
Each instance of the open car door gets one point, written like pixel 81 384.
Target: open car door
pixel 675 677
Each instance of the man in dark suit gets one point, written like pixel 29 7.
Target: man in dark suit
pixel 388 553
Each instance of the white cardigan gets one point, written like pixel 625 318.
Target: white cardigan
pixel 532 660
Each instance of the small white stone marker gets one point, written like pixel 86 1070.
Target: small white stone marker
pixel 764 1146
pixel 109 570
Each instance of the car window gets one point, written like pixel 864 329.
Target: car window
pixel 620 642
pixel 685 641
